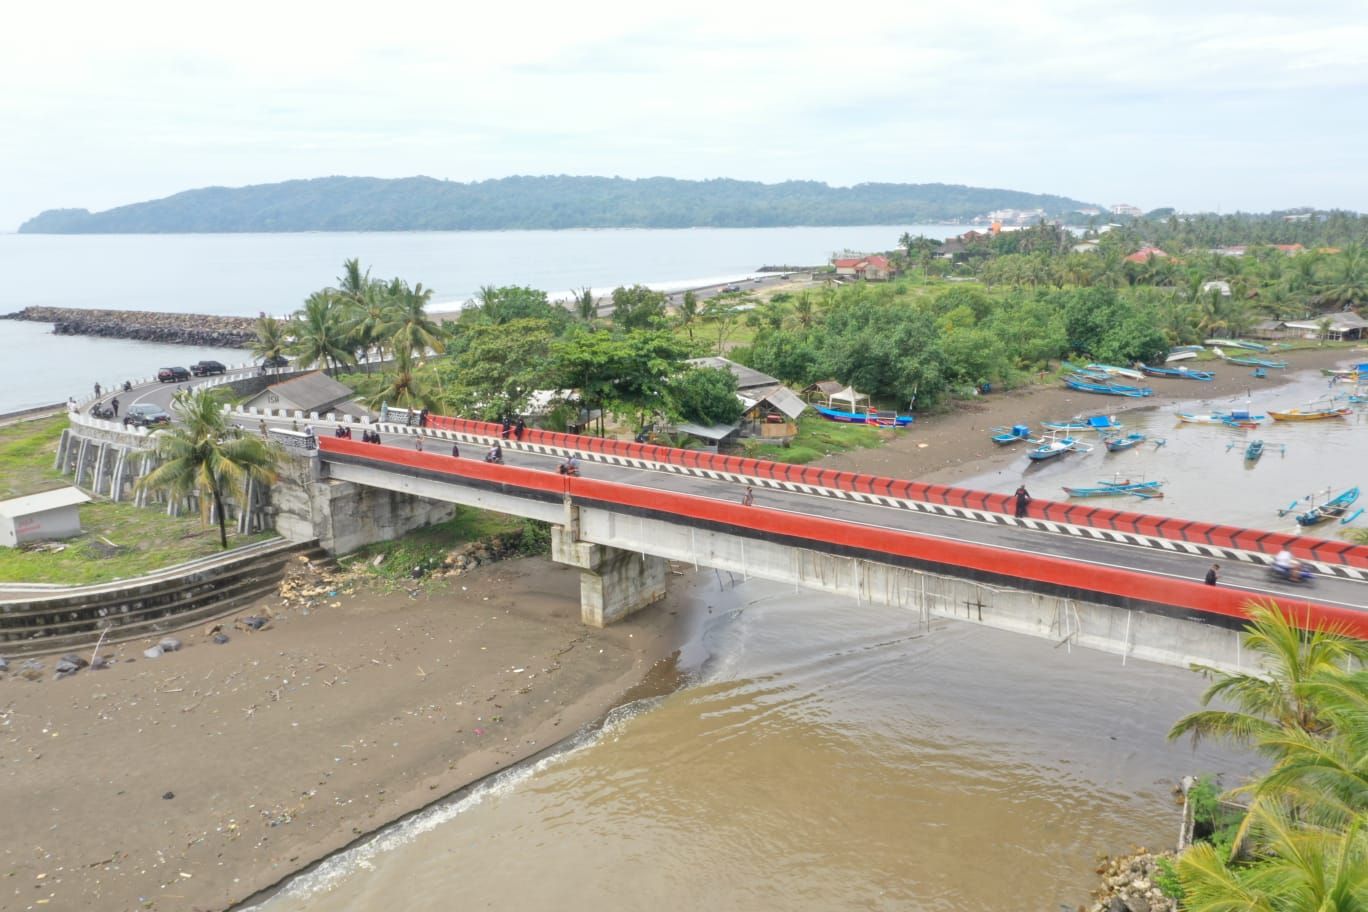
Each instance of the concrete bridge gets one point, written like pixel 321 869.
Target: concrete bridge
pixel 1121 582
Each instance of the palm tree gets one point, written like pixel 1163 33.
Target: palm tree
pixel 366 319
pixel 320 333
pixel 205 453
pixel 688 313
pixel 409 324
pixel 403 389
pixel 586 306
pixel 1274 700
pixel 1298 870
pixel 271 339
pixel 1347 285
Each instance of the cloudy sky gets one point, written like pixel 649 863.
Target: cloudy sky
pixel 1213 105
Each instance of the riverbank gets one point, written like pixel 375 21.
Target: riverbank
pixel 143 326
pixel 196 779
pixel 949 447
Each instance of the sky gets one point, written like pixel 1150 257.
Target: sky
pixel 1211 106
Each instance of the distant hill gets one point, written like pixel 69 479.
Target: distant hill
pixel 422 203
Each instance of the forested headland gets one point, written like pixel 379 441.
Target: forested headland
pixel 551 202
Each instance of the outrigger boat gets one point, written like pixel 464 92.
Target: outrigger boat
pixel 1118 444
pixel 1255 449
pixel 1089 385
pixel 872 416
pixel 1145 489
pixel 1112 370
pixel 1238 419
pixel 1099 423
pixel 1181 356
pixel 1239 343
pixel 1249 362
pixel 1053 447
pixel 1003 436
pixel 1336 507
pixel 1180 372
pixel 1311 413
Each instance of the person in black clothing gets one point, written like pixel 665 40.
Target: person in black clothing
pixel 507 426
pixel 519 428
pixel 1023 500
pixel 97 389
pixel 495 454
pixel 1212 574
pixel 455 448
pixel 114 404
pixel 422 418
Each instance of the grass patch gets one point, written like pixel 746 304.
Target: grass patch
pixel 426 548
pixel 118 540
pixel 818 437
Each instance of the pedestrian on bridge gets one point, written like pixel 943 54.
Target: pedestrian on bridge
pixel 506 427
pixel 418 443
pixel 1212 574
pixel 748 499
pixel 114 404
pixel 455 448
pixel 519 428
pixel 97 391
pixel 1023 500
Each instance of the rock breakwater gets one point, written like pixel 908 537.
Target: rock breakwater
pixel 1130 884
pixel 145 326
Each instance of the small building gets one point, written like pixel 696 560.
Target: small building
pixel 770 407
pixel 1127 209
pixel 1085 247
pixel 872 268
pixel 312 393
pixel 1334 327
pixel 1144 253
pixel 40 517
pixel 1218 286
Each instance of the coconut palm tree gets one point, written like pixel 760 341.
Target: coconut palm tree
pixel 410 326
pixel 366 318
pixel 320 333
pixel 204 452
pixel 1297 869
pixel 1275 700
pixel 688 313
pixel 403 390
pixel 271 340
pixel 586 305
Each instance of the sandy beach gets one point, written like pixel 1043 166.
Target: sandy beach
pixel 193 780
pixel 197 779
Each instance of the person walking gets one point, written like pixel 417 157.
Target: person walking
pixel 506 428
pixel 455 449
pixel 418 443
pixel 1212 574
pixel 114 404
pixel 264 434
pixel 1023 500
pixel 97 390
pixel 748 499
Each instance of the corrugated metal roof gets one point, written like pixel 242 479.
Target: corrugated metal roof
pixel 785 400
pixel 46 500
pixel 713 432
pixel 312 392
pixel 747 378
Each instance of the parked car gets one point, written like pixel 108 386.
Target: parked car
pixel 172 374
pixel 205 368
pixel 275 361
pixel 727 288
pixel 145 414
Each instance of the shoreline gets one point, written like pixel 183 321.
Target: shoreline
pixel 279 749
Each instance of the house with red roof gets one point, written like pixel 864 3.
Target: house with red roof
pixel 872 268
pixel 1144 253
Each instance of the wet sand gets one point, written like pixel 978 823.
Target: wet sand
pixel 945 448
pixel 193 780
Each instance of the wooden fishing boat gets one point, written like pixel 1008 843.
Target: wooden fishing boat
pixel 1004 436
pixel 1181 356
pixel 1099 423
pixel 872 416
pixel 1334 508
pixel 1183 373
pixel 1240 419
pixel 1086 385
pixel 1310 413
pixel 1119 444
pixel 1249 361
pixel 1254 450
pixel 1055 447
pixel 1112 370
pixel 1112 488
pixel 1239 343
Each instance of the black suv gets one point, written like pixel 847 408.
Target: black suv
pixel 172 375
pixel 205 368
pixel 276 361
pixel 145 414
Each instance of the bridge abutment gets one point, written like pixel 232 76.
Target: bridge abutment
pixel 613 583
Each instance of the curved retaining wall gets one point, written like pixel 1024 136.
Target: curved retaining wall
pixel 1183 530
pixel 1119 586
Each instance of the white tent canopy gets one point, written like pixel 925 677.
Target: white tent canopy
pixel 849 396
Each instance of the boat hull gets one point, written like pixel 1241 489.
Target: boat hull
pixel 831 414
pixel 1303 415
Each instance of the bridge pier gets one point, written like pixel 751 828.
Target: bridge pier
pixel 613 583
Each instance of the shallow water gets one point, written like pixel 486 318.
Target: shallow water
pixel 831 756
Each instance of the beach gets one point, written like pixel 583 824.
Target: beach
pixel 194 780
pixel 199 778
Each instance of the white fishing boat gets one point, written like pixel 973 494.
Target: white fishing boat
pixel 1115 371
pixel 1180 356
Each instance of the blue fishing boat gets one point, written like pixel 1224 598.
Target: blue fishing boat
pixel 1254 450
pixel 1087 385
pixel 1099 423
pixel 1003 436
pixel 1055 447
pixel 1119 444
pixel 1334 508
pixel 1111 488
pixel 1180 372
pixel 1250 361
pixel 872 416
pixel 1259 373
pixel 1235 419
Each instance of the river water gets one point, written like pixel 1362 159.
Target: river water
pixel 245 274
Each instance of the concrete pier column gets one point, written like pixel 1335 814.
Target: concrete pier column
pixel 60 463
pixel 613 583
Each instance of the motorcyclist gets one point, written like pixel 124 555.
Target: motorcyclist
pixel 570 466
pixel 495 454
pixel 1283 562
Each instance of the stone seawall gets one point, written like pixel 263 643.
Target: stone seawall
pixel 146 326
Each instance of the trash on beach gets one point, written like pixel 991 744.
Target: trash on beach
pixel 220 638
pixel 251 622
pixel 922 446
pixel 152 652
pixel 170 644
pixel 68 665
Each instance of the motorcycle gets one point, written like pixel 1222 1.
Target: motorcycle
pixel 1298 573
pixel 102 411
